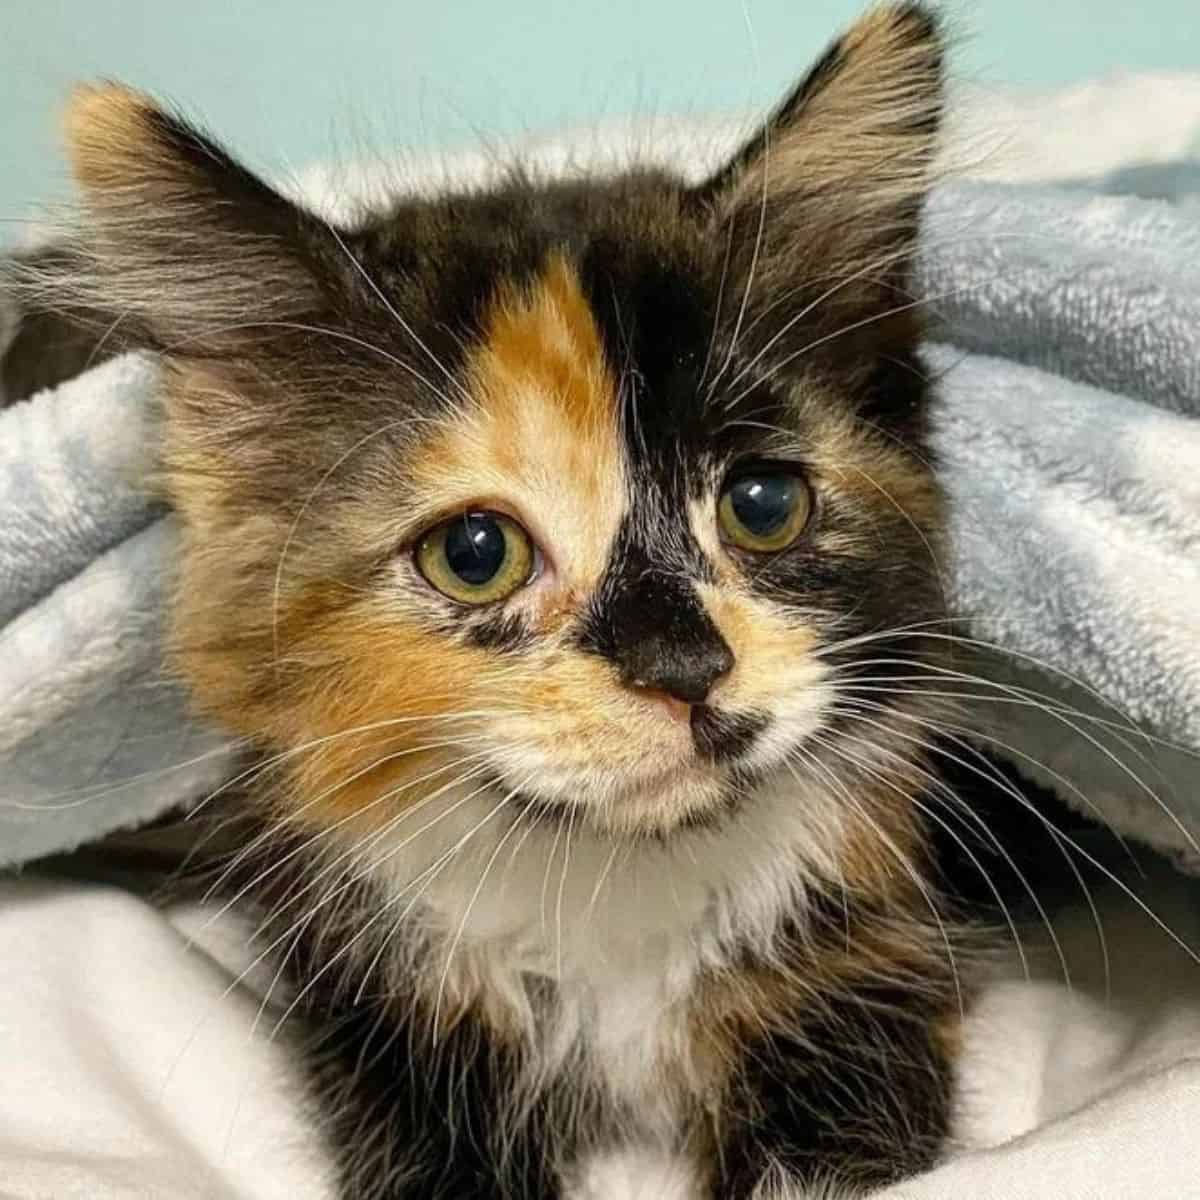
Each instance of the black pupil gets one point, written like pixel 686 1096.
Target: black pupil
pixel 763 503
pixel 475 548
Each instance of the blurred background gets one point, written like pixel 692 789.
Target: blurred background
pixel 286 83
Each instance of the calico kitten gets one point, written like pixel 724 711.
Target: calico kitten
pixel 554 545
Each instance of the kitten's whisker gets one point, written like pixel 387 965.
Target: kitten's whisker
pixel 889 631
pixel 1020 698
pixel 934 671
pixel 601 878
pixel 1009 694
pixel 896 310
pixel 261 766
pixel 865 273
pixel 938 787
pixel 862 689
pixel 296 929
pixel 1050 668
pixel 387 427
pixel 558 828
pixel 889 843
pixel 326 831
pixel 100 791
pixel 916 528
pixel 385 941
pixel 930 747
pixel 970 732
pixel 717 307
pixel 353 854
pixel 558 903
pixel 1064 842
pixel 368 925
pixel 991 775
pixel 758 239
pixel 794 320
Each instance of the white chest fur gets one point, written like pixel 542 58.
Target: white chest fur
pixel 621 929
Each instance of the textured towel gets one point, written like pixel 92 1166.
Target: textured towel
pixel 92 736
pixel 1069 427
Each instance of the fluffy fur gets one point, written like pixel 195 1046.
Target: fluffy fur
pixel 625 884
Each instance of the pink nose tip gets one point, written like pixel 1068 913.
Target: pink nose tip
pixel 681 710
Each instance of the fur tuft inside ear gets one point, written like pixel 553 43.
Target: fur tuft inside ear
pixel 865 117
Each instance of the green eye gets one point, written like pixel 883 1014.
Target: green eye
pixel 478 558
pixel 764 510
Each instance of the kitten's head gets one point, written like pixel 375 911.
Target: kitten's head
pixel 575 491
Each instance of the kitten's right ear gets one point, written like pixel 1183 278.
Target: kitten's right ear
pixel 176 236
pixel 834 180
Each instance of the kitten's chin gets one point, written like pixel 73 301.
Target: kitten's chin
pixel 654 804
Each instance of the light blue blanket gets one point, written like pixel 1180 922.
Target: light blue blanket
pixel 1068 436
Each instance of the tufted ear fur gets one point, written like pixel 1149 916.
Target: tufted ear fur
pixel 177 237
pixel 822 203
pixel 176 247
pixel 181 250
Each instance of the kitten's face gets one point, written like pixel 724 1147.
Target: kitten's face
pixel 567 491
pixel 610 557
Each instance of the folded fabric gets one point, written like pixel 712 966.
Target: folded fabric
pixel 93 735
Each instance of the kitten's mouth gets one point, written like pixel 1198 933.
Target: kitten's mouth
pixel 656 799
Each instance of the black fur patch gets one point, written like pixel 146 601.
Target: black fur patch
pixel 501 632
pixel 431 1114
pixel 724 737
pixel 863 1096
pixel 650 623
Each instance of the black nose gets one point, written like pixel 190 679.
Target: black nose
pixel 653 627
pixel 683 667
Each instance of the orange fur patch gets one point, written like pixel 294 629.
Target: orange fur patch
pixel 401 686
pixel 110 137
pixel 543 436
pixel 540 440
pixel 546 337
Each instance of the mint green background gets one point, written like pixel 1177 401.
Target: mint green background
pixel 287 82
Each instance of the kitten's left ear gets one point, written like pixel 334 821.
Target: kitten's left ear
pixel 176 236
pixel 830 188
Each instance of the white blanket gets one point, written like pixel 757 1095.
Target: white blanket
pixel 131 1071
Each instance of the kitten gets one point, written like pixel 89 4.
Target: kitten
pixel 567 550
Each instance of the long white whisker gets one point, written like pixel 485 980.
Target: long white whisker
pixel 901 858
pixel 933 781
pixel 427 875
